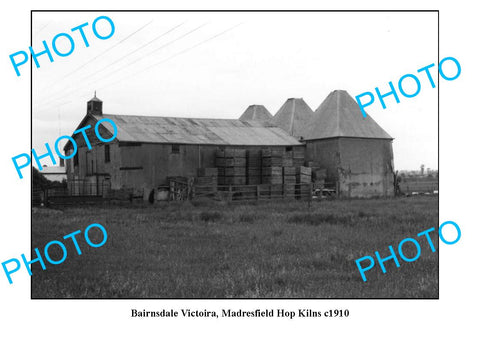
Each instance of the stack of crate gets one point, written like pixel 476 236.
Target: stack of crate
pixel 272 162
pixel 272 175
pixel 304 174
pixel 254 167
pixel 289 178
pixel 272 172
pixel 287 159
pixel 206 180
pixel 304 180
pixel 298 156
pixel 232 164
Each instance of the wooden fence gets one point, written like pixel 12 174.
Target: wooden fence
pixel 409 187
pixel 252 192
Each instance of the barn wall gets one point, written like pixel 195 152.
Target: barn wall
pixel 147 166
pixel 158 162
pixel 327 153
pixel 363 167
pixel 92 167
pixel 366 167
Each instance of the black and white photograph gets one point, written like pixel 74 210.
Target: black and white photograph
pixel 226 156
pixel 252 169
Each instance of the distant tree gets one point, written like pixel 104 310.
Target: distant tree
pixel 39 181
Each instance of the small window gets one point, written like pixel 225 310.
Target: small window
pixel 107 153
pixel 175 148
pixel 289 148
pixel 75 159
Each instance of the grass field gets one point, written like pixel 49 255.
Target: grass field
pixel 280 249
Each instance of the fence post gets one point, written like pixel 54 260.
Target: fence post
pixel 258 192
pixel 310 187
pixel 172 191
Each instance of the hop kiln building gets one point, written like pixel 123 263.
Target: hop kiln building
pixel 355 151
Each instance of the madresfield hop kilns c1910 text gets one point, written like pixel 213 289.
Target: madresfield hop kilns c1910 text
pixel 240 313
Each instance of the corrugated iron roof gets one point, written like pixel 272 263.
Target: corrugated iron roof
pixel 294 116
pixel 170 130
pixel 340 116
pixel 256 112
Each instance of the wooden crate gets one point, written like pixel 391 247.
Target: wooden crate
pixel 235 153
pixel 302 178
pixel 297 162
pixel 272 180
pixel 289 170
pixel 289 190
pixel 299 152
pixel 304 170
pixel 272 153
pixel 230 162
pixel 254 155
pixel 254 180
pixel 287 162
pixel 235 171
pixel 272 161
pixel 303 191
pixel 235 180
pixel 272 171
pixel 254 162
pixel 244 192
pixel 252 172
pixel 220 162
pixel 289 179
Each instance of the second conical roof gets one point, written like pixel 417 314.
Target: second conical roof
pixel 294 117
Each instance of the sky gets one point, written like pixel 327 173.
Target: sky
pixel 214 65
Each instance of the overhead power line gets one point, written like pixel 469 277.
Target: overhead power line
pixel 152 52
pixel 156 64
pixel 190 48
pixel 172 56
pixel 108 49
pixel 62 92
pixel 88 62
pixel 132 52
